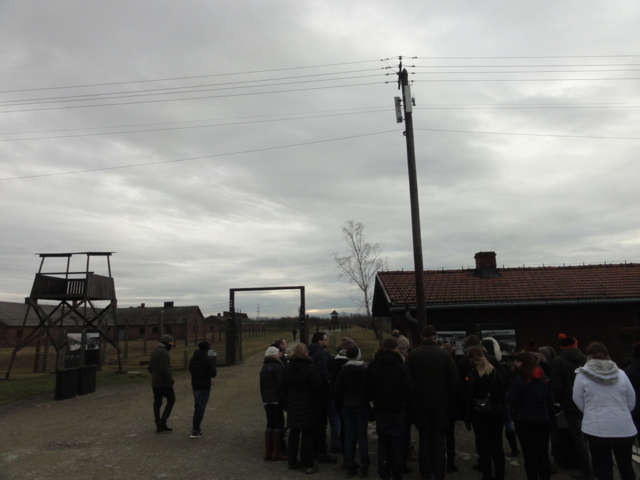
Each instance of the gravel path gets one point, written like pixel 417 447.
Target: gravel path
pixel 110 434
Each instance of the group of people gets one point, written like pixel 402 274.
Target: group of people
pixel 586 394
pixel 427 386
pixel 397 382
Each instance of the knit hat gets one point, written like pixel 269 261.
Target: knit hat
pixel 636 349
pixel 166 339
pixel 203 345
pixel 567 342
pixel 532 347
pixel 353 353
pixel 347 342
pixel 428 332
pixel 272 352
pixel 403 342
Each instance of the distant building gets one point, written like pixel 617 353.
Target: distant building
pixel 590 302
pixel 186 323
pixel 13 327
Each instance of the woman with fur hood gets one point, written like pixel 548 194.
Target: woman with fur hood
pixel 606 397
pixel 272 391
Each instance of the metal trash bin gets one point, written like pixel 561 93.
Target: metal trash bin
pixel 86 380
pixel 66 384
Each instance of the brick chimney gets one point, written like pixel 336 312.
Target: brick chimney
pixel 486 264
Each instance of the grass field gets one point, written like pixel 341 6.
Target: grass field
pixel 24 383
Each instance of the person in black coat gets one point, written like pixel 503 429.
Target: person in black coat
pixel 531 399
pixel 272 392
pixel 350 394
pixel 390 386
pixel 484 381
pixel 633 372
pixel 202 368
pixel 304 394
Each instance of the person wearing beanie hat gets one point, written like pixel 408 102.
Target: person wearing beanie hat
pixel 345 343
pixel 273 352
pixel 273 394
pixel 202 368
pixel 567 342
pixel 403 342
pixel 162 383
pixel 563 376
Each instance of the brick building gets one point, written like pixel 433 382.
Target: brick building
pixel 591 302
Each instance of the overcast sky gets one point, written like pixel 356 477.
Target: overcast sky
pixel 218 145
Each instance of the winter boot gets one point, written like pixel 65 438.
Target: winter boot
pixel 268 445
pixel 278 454
pixel 513 443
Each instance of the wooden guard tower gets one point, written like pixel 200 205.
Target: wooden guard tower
pixel 76 293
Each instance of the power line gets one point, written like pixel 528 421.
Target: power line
pixel 516 57
pixel 528 71
pixel 187 77
pixel 217 155
pixel 454 80
pixel 121 132
pixel 529 134
pixel 139 102
pixel 228 122
pixel 180 90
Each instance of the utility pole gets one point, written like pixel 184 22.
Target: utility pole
pixel 407 103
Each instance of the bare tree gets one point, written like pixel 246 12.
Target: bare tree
pixel 361 263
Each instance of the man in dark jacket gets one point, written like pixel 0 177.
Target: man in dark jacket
pixel 303 389
pixel 321 359
pixel 390 387
pixel 162 382
pixel 435 376
pixel 563 376
pixel 203 369
pixel 633 372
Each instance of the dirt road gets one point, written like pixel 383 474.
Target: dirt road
pixel 110 434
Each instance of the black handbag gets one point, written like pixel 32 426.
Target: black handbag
pixel 483 405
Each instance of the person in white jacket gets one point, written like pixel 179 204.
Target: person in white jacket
pixel 605 396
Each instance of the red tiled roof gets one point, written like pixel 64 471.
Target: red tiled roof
pixel 541 284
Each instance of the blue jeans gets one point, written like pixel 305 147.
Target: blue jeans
pixel 391 430
pixel 355 421
pixel 334 424
pixel 201 397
